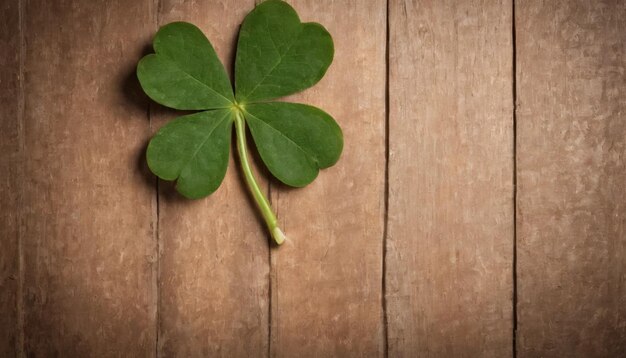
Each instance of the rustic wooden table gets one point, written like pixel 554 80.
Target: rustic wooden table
pixel 478 210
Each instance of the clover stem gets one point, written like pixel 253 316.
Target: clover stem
pixel 261 200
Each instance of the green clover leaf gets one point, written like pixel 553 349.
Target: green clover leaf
pixel 277 55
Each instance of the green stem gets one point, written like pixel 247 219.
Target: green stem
pixel 261 200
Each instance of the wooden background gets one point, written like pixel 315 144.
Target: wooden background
pixel 478 209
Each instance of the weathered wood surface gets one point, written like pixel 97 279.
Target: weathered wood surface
pixel 326 294
pixel 450 218
pixel 214 267
pixel 10 165
pixel 571 79
pixel 87 227
pixel 95 262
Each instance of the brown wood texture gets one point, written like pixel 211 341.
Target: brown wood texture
pixel 326 294
pixel 87 218
pixel 10 159
pixel 450 217
pixel 214 267
pixel 405 248
pixel 571 154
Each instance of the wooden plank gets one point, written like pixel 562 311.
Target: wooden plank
pixel 327 278
pixel 571 117
pixel 10 155
pixel 87 230
pixel 450 216
pixel 214 266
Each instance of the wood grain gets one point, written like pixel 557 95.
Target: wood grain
pixel 10 162
pixel 95 262
pixel 450 217
pixel 571 78
pixel 214 268
pixel 87 230
pixel 327 278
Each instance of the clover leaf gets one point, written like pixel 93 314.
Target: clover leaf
pixel 277 55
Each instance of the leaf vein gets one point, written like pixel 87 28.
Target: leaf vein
pixel 306 152
pixel 195 79
pixel 217 124
pixel 280 60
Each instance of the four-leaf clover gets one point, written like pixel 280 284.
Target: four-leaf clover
pixel 277 55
